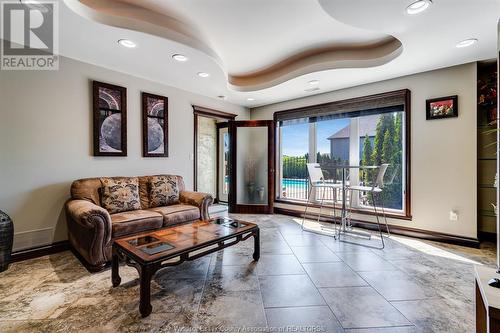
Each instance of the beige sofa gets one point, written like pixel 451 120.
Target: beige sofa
pixel 92 229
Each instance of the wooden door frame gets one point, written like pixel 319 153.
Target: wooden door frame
pixel 271 145
pixel 219 127
pixel 200 111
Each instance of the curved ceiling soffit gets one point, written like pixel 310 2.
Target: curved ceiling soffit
pixel 317 60
pixel 127 16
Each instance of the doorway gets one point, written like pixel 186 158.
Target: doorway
pixel 211 144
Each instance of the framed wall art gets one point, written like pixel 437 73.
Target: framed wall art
pixel 154 125
pixel 443 107
pixel 110 119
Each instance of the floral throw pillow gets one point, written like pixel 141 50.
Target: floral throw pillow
pixel 163 191
pixel 120 194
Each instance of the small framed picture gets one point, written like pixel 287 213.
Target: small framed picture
pixel 443 107
pixel 110 119
pixel 154 125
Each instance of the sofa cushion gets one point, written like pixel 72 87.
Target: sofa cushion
pixel 90 189
pixel 131 222
pixel 163 191
pixel 120 194
pixel 178 213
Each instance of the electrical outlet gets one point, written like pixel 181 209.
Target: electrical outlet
pixel 453 215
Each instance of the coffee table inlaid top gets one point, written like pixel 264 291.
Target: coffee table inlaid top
pixel 170 241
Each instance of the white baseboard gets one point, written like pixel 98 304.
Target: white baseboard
pixel 32 238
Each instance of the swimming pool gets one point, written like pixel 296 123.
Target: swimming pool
pixel 294 182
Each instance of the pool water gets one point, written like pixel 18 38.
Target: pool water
pixel 294 182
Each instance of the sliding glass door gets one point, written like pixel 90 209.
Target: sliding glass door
pixel 367 135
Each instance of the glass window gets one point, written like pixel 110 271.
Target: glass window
pixel 383 144
pixel 294 154
pixel 367 138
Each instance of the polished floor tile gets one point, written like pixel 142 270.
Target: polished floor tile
pixel 33 326
pixel 362 307
pixel 397 285
pixel 310 319
pixel 232 309
pixel 303 239
pixel 271 235
pixel 180 322
pixel 233 256
pixel 365 261
pixel 233 278
pixel 341 246
pixel 314 254
pixel 336 274
pixel 275 247
pixel 279 264
pixel 400 329
pixel 225 291
pixel 173 295
pixel 397 253
pixel 289 290
pixel 438 315
pixel 196 269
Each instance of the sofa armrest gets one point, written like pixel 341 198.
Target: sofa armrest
pixel 198 199
pixel 89 229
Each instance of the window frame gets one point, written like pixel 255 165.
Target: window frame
pixel 386 99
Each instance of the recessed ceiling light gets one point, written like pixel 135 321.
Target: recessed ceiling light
pixel 180 57
pixel 203 74
pixel 313 82
pixel 311 89
pixel 418 6
pixel 250 99
pixel 127 43
pixel 466 42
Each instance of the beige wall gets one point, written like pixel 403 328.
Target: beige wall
pixel 443 162
pixel 46 141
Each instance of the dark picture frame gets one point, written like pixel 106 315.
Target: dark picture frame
pixel 442 107
pixel 110 119
pixel 154 125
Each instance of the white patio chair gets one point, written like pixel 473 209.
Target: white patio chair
pixel 374 191
pixel 317 181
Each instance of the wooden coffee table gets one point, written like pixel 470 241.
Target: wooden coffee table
pixel 147 252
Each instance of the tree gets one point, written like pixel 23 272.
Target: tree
pixel 385 123
pixel 366 158
pixel 387 148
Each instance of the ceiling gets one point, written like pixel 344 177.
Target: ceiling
pixel 268 50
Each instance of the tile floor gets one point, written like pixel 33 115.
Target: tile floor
pixel 303 283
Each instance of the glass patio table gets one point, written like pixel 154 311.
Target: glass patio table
pixel 345 227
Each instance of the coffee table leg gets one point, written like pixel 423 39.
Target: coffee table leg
pixel 115 264
pixel 145 292
pixel 256 244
